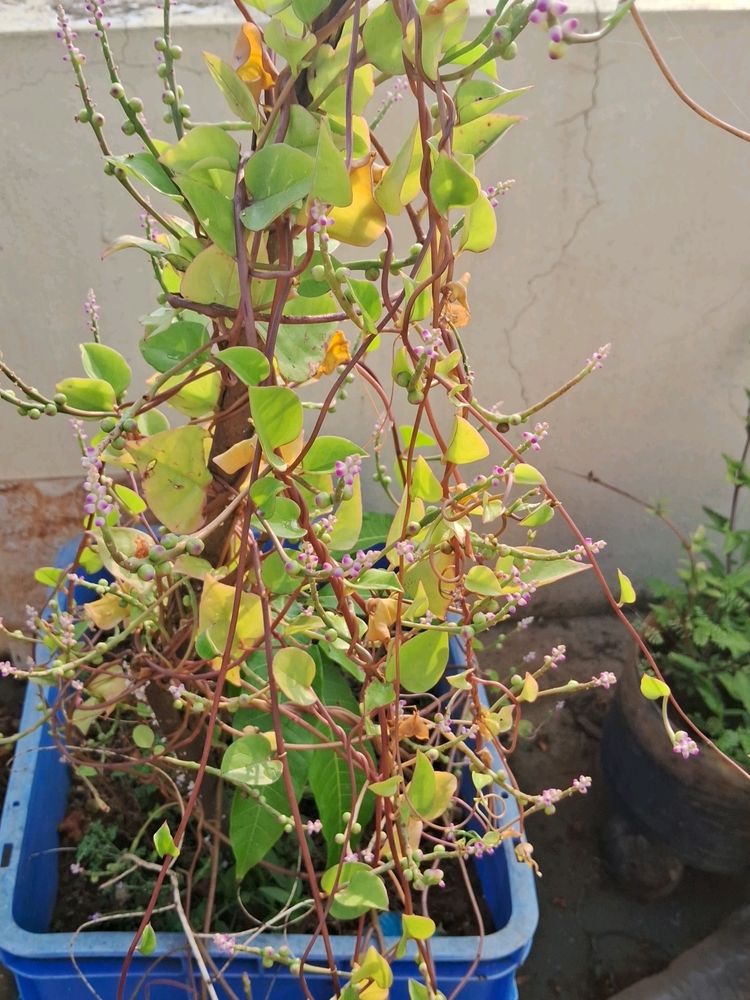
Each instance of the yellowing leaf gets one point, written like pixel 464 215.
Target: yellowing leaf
pixel 424 483
pixel 466 444
pixel 654 689
pixel 215 611
pixel 294 671
pixel 530 689
pixel 481 580
pixel 251 62
pixel 627 591
pixel 175 477
pixel 198 397
pixel 337 352
pixel 363 221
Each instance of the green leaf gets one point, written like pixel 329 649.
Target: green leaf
pixel 294 671
pixel 206 192
pixel 145 167
pixel 627 591
pixel 248 761
pixel 143 736
pixel 330 182
pixel 212 279
pixel 407 432
pixel 247 363
pixel 326 450
pixel 292 45
pixel 481 580
pixel 277 414
pixel 418 991
pixel 166 348
pixel 359 890
pixel 164 842
pixel 127 242
pixel 527 475
pixel 400 183
pixel 147 942
pixel 236 93
pixel 417 927
pixel 466 444
pixel 253 829
pixel 422 661
pixel 175 476
pixel 421 791
pixel 480 226
pixel 88 393
pixel 284 522
pixel 308 10
pixel 203 148
pixel 451 185
pixel 276 177
pixel 386 789
pixel 367 297
pixel 49 576
pixel 477 136
pixel 131 501
pixel 653 689
pixel 539 516
pixel 331 786
pixel 374 530
pixel 383 38
pixel 376 579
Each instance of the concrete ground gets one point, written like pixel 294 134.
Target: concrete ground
pixel 594 939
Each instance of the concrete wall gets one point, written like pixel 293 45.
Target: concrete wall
pixel 627 223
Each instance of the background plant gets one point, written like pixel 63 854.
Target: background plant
pixel 252 636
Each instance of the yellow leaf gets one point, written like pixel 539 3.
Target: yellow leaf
pixel 251 62
pixel 530 689
pixel 107 612
pixel 382 614
pixel 466 444
pixel 424 482
pixel 627 590
pixel 239 456
pixel 234 674
pixel 337 352
pixel 362 222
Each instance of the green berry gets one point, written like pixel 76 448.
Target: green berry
pixel 129 425
pixel 60 398
pixel 146 572
pixel 84 116
pixel 509 52
pixel 127 128
pixel 162 70
pixel 98 120
pixel 169 540
pixel 108 424
pixel 167 117
pixel 194 546
pixel 184 110
pixel 168 97
pixel 372 274
pixel 160 44
pixel 342 273
pixel 135 104
pixel 175 51
pixel 157 553
pixel 119 443
pixel 50 409
pixel 318 272
pixel 117 91
pixel 109 169
pixel 35 413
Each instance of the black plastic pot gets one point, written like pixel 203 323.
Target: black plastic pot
pixel 697 809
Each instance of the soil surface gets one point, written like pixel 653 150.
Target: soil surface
pixel 11 702
pixel 594 937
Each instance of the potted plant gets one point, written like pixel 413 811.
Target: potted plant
pixel 697 629
pixel 281 695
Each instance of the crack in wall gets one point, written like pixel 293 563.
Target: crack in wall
pixel 596 202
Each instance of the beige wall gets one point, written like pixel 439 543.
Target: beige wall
pixel 627 223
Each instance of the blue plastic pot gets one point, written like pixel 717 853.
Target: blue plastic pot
pixel 50 966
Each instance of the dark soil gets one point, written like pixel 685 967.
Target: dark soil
pixel 11 703
pixel 596 936
pixel 99 839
